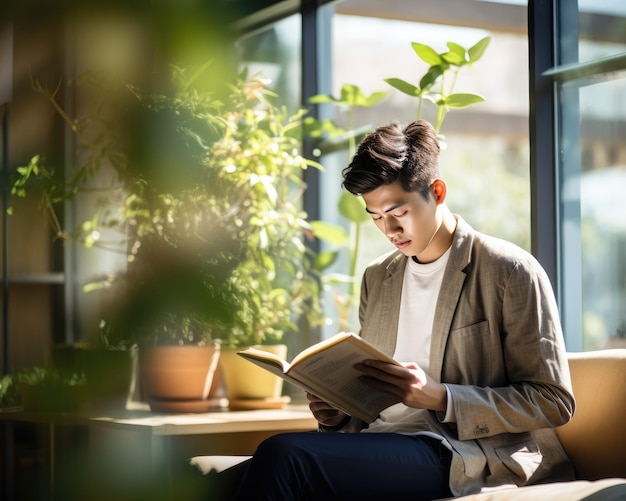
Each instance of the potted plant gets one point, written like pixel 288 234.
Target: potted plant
pixel 38 389
pixel 206 199
pixel 109 370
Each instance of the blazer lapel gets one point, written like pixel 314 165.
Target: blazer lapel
pixel 387 331
pixel 451 287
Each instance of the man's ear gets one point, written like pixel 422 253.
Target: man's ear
pixel 440 190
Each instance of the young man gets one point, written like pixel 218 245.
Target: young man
pixel 474 321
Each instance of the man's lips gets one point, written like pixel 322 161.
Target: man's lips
pixel 402 245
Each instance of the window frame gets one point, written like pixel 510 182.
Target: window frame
pixel 556 77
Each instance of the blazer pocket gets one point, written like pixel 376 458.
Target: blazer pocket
pixel 522 459
pixel 478 328
pixel 474 355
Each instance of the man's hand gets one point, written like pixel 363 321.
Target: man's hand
pixel 409 383
pixel 324 412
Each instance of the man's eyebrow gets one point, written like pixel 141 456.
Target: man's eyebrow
pixel 393 207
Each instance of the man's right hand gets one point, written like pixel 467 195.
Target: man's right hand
pixel 325 413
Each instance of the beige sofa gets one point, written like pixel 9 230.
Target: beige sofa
pixel 595 439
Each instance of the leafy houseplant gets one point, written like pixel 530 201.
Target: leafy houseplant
pixel 40 389
pixel 206 187
pixel 207 201
pixel 436 86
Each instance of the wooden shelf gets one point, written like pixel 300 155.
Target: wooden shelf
pixel 37 279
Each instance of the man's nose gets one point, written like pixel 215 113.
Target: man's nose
pixel 392 228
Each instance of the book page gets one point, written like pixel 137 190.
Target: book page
pixel 341 337
pixel 267 358
pixel 269 365
pixel 331 371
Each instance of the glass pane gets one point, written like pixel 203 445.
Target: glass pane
pixel 274 54
pixel 603 213
pixel 486 158
pixel 602 24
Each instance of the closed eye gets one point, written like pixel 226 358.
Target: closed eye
pixel 378 218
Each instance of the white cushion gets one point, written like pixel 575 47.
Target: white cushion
pixel 207 464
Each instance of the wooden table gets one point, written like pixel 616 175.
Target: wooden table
pixel 140 451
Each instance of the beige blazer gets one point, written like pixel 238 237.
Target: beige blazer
pixel 497 343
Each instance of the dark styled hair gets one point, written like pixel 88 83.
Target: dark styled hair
pixel 394 152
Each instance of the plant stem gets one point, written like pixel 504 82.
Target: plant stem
pixel 356 230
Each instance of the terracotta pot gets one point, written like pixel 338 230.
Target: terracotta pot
pixel 178 378
pixel 244 380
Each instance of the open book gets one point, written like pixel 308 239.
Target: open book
pixel 326 369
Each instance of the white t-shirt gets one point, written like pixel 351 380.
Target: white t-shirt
pixel 420 290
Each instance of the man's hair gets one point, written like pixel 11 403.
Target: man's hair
pixel 395 152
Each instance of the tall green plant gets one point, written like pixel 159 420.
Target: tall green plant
pixel 350 207
pixel 437 86
pixel 438 83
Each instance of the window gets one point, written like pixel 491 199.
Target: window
pixel 486 156
pixel 588 76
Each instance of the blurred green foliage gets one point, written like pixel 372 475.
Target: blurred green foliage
pixel 204 200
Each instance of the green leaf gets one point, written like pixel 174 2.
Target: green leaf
pixel 270 189
pixel 324 260
pixel 457 49
pixel 328 232
pixel 94 286
pixel 322 98
pixel 352 208
pixel 477 50
pixel 454 58
pixel 350 94
pixel 404 86
pixel 426 54
pixel 320 128
pixel 463 100
pixel 373 98
pixel 91 239
pixel 431 76
pixel 268 264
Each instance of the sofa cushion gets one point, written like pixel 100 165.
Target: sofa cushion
pixel 207 464
pixel 608 489
pixel 595 438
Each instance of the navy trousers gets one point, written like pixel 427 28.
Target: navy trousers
pixel 341 466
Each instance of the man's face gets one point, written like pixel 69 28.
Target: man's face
pixel 408 220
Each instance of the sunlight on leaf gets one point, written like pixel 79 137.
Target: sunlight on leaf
pixel 476 51
pixel 353 208
pixel 463 100
pixel 426 53
pixel 324 260
pixel 328 232
pixel 404 86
